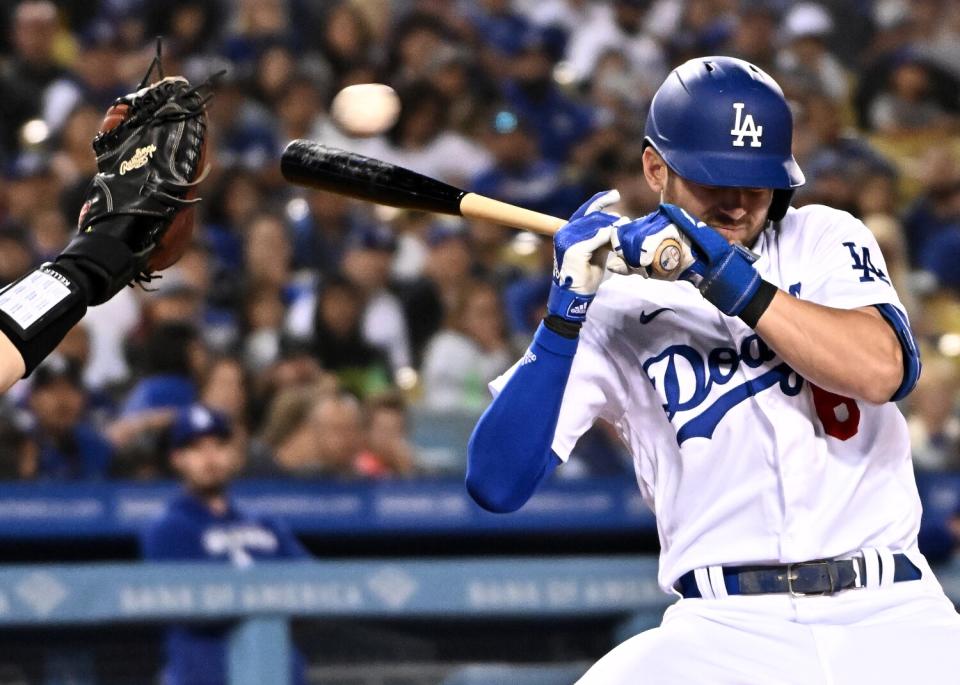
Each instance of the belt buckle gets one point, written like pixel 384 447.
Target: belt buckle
pixel 792 576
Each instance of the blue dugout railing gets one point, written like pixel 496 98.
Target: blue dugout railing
pixel 264 598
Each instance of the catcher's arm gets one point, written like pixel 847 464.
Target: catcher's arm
pixel 150 160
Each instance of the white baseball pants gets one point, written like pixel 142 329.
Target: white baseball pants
pixel 903 634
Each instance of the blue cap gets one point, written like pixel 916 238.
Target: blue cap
pixel 198 421
pixel 372 237
pixel 56 368
pixel 28 164
pixel 441 231
pixel 100 33
pixel 939 256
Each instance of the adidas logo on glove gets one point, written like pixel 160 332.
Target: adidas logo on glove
pixel 578 308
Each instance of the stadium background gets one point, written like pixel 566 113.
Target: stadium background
pixel 289 298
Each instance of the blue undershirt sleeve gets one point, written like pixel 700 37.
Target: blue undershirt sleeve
pixel 509 453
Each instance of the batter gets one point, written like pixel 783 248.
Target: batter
pixel 756 394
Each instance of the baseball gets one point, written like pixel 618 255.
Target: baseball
pixel 365 109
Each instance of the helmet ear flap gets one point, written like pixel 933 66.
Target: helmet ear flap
pixel 780 203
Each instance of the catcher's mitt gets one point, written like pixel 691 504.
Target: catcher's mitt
pixel 150 156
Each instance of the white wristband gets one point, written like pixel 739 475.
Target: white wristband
pixel 28 300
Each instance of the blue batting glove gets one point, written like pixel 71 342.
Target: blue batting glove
pixel 635 244
pixel 575 278
pixel 724 273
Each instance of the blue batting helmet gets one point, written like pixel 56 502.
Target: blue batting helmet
pixel 721 121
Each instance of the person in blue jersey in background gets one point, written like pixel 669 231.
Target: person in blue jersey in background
pixel 203 523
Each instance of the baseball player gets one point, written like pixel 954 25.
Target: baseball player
pixel 203 523
pixel 756 394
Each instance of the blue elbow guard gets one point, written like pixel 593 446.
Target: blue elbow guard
pixel 911 353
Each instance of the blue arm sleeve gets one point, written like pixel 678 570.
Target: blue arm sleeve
pixel 911 353
pixel 509 453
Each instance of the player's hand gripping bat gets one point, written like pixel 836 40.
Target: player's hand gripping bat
pixel 312 164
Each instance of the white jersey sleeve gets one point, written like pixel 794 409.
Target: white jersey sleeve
pixel 843 265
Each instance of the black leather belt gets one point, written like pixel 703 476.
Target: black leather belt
pixel 823 577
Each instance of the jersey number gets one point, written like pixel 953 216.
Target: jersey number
pixel 839 415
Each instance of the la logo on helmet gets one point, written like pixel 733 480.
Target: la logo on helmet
pixel 746 127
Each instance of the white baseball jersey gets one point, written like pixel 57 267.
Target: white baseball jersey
pixel 742 460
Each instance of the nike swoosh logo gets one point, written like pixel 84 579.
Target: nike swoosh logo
pixel 647 318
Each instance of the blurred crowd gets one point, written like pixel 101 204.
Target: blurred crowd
pixel 336 334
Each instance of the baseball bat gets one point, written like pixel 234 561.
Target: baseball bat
pixel 312 164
